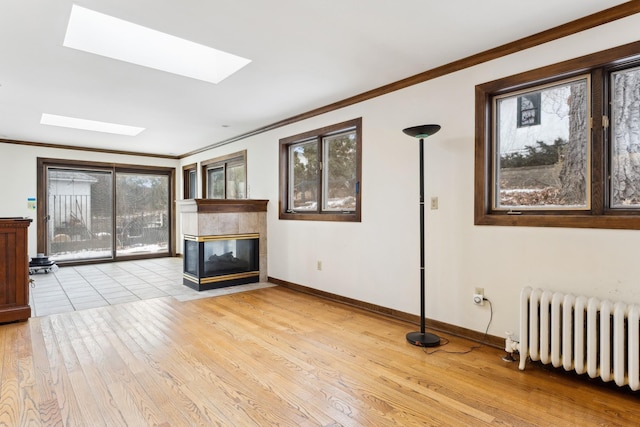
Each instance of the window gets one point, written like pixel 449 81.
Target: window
pixel 320 174
pixel 531 147
pixel 560 146
pixel 98 211
pixel 225 177
pixel 189 182
pixel 142 212
pixel 625 136
pixel 79 213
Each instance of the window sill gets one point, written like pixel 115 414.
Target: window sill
pixel 339 217
pixel 610 221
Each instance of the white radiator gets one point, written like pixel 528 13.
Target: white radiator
pixel 587 335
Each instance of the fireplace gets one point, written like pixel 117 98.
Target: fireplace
pixel 225 242
pixel 218 261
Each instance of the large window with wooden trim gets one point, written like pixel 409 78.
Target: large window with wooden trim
pixel 560 146
pixel 225 177
pixel 90 211
pixel 320 173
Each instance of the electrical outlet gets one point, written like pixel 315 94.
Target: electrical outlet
pixel 478 296
pixel 319 265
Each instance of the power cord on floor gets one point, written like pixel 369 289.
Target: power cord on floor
pixel 475 347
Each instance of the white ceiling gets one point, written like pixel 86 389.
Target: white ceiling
pixel 305 55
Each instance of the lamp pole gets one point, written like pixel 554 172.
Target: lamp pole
pixel 422 338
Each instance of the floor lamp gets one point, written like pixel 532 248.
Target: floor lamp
pixel 422 338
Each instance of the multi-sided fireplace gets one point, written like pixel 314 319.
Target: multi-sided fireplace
pixel 224 242
pixel 218 261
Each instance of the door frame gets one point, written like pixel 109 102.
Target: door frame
pixel 42 200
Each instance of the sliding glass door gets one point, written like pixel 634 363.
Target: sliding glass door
pixel 79 214
pixel 142 213
pixel 92 211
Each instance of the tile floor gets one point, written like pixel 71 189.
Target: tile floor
pixel 98 285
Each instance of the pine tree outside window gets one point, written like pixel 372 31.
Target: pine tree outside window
pixel 320 174
pixel 225 177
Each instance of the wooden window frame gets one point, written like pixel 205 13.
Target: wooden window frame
pixel 600 215
pixel 223 160
pixel 284 211
pixel 186 182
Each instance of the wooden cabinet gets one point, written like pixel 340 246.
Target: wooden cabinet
pixel 14 270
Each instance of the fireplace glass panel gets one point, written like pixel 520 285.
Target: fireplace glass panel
pixel 230 256
pixel 191 257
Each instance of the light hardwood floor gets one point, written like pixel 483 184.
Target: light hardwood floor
pixel 273 357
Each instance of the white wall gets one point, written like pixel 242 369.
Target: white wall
pixel 377 260
pixel 18 176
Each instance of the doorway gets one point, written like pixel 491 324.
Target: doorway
pixel 99 212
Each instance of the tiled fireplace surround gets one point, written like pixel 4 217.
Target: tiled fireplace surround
pixel 216 217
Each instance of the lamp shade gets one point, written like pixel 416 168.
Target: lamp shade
pixel 421 131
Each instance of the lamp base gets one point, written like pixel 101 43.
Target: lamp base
pixel 423 339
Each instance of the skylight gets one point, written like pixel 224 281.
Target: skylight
pixel 92 125
pixel 115 38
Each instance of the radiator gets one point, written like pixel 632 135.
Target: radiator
pixel 586 335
